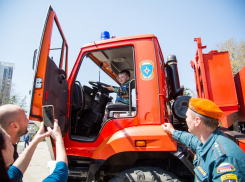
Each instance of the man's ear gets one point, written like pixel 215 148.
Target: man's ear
pixel 14 125
pixel 198 121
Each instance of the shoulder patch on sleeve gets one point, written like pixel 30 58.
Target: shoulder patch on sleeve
pixel 225 167
pixel 218 149
pixel 229 178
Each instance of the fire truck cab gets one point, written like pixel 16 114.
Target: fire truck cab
pixel 132 136
pixel 131 143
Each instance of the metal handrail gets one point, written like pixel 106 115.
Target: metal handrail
pixel 130 99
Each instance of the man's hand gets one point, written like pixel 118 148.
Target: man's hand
pixel 41 134
pixel 60 148
pixel 110 88
pixel 55 133
pixel 168 127
pixel 24 159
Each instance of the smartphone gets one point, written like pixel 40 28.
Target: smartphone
pixel 48 116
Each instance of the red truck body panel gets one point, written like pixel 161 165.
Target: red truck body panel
pixel 214 81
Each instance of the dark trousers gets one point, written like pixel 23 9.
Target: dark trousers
pixel 26 142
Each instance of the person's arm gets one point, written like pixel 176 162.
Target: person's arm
pixel 60 148
pixel 15 174
pixel 185 138
pixel 111 88
pixel 60 173
pixel 24 159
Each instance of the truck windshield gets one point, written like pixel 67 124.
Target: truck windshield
pixel 89 71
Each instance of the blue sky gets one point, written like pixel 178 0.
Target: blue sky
pixel 175 23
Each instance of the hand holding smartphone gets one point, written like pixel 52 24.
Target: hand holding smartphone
pixel 48 116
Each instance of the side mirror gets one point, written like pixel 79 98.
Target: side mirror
pixel 34 59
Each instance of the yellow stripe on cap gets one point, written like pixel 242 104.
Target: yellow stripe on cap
pixel 205 107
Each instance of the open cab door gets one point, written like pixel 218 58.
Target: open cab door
pixel 50 86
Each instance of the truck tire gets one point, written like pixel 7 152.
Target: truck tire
pixel 145 174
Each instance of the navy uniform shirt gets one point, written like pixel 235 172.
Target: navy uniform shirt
pixel 218 159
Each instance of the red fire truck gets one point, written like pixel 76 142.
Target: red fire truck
pixel 131 145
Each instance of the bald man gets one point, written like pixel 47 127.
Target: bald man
pixel 14 121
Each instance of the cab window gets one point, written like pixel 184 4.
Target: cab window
pixel 90 98
pixel 58 49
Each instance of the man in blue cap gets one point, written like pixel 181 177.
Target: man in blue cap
pixel 217 157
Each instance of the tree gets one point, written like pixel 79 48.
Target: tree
pixel 5 90
pixel 22 104
pixel 189 92
pixel 35 128
pixel 186 91
pixel 8 96
pixel 236 52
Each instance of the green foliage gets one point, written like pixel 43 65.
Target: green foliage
pixel 236 52
pixel 35 127
pixel 22 104
pixel 16 100
pixel 8 96
pixel 10 100
pixel 186 91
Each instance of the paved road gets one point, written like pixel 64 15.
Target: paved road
pixel 38 167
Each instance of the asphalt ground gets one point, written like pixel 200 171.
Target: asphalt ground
pixel 38 168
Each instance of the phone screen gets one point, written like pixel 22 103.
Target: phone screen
pixel 48 115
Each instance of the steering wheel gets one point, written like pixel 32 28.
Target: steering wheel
pixel 99 85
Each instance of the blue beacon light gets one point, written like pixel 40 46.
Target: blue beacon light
pixel 105 35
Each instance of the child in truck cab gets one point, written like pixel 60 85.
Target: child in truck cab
pixel 122 91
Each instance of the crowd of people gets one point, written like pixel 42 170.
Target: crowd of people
pixel 217 158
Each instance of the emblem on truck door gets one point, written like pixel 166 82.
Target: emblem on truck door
pixel 146 70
